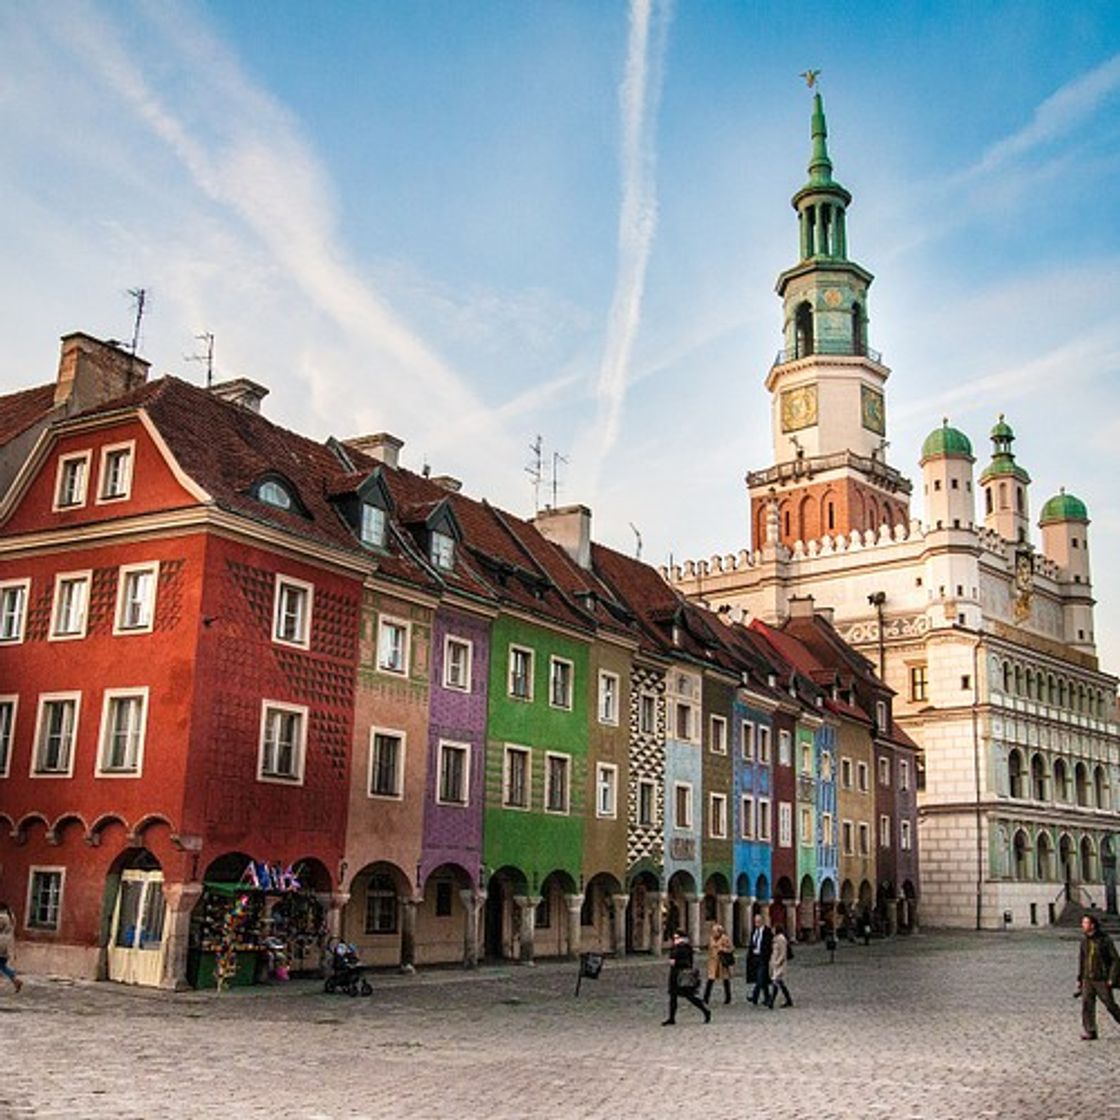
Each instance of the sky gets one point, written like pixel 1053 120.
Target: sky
pixel 473 224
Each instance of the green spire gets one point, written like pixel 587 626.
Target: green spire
pixel 820 166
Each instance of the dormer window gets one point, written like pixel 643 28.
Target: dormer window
pixel 373 525
pixel 274 493
pixel 441 550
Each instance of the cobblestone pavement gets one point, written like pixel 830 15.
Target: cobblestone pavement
pixel 936 1026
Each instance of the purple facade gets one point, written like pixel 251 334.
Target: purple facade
pixel 453 814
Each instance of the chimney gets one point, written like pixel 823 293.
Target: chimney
pixel 91 372
pixel 381 446
pixel 801 606
pixel 241 391
pixel 570 528
pixel 446 482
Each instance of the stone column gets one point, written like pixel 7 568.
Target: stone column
pixel 333 904
pixel 527 913
pixel 180 899
pixel 692 909
pixel 408 907
pixel 655 900
pixel 745 904
pixel 619 902
pixel 473 903
pixel 575 929
pixel 892 917
pixel 724 907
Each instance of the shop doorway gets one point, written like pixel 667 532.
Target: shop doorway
pixel 137 948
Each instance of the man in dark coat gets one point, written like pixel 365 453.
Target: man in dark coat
pixel 758 960
pixel 1097 967
pixel 680 965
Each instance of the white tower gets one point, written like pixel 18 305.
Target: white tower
pixel 1065 540
pixel 1004 482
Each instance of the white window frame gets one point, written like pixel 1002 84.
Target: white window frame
pixel 468 663
pixel 566 759
pixel 764 827
pixel 905 835
pixel 606 781
pixel 882 717
pixel 402 750
pixel 650 785
pixel 717 741
pixel 807 758
pixel 299 754
pixel 12 586
pixel 864 838
pixel 465 748
pixel 903 774
pixel 884 767
pixel 531 668
pixel 85 457
pixel 382 524
pixel 863 777
pixel 441 550
pixel 285 584
pixel 609 701
pixel 808 839
pixel 127 450
pixel 510 750
pixel 765 743
pixel 885 830
pixel 717 816
pixel 689 814
pixel 111 694
pixel 848 837
pixel 847 773
pixel 46 698
pixel 85 578
pixel 126 571
pixel 785 747
pixel 828 837
pixel 565 703
pixel 11 699
pixel 689 711
pixel 44 869
pixel 746 816
pixel 385 623
pixel 644 697
pixel 785 824
pixel 749 730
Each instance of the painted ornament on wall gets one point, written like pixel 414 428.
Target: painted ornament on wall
pixel 872 410
pixel 799 408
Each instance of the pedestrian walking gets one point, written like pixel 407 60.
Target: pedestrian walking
pixel 758 960
pixel 7 932
pixel 1097 968
pixel 779 961
pixel 721 959
pixel 684 980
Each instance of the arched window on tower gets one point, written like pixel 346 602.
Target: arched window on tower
pixel 804 330
pixel 857 329
pixel 1020 499
pixel 988 500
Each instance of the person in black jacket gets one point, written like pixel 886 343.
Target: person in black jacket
pixel 1097 967
pixel 758 960
pixel 680 965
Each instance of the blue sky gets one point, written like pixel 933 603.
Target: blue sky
pixel 473 223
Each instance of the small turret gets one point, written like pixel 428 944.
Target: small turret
pixel 1004 482
pixel 1064 522
pixel 947 475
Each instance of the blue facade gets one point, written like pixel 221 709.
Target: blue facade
pixel 828 869
pixel 752 867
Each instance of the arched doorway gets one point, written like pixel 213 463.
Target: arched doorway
pixel 682 889
pixel 374 920
pixel 807 909
pixel 828 915
pixel 597 914
pixel 502 939
pixel 783 910
pixel 442 918
pixel 552 932
pixel 643 913
pixel 136 948
pixel 1068 861
pixel 1044 857
pixel 1088 861
pixel 908 908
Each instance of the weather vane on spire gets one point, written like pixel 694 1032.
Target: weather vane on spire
pixel 810 77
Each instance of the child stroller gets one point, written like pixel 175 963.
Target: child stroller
pixel 345 971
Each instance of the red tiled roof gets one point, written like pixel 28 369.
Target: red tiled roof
pixel 18 411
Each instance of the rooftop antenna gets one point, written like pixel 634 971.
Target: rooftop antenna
pixel 535 470
pixel 139 298
pixel 638 540
pixel 208 338
pixel 557 459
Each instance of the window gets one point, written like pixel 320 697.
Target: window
pixel 785 824
pixel 747 747
pixel 291 612
pixel 606 790
pixel 647 714
pixel 136 598
pixel 71 598
pixel 283 735
pixel 717 735
pixel 8 706
pixel 806 758
pixel 392 646
pixel 54 734
pixel 882 718
pixel 785 748
pixel 13 610
pixel 381 905
pixel 884 831
pixel 556 785
pixel 608 698
pixel 682 805
pixel 884 771
pixel 847 836
pixel 373 525
pixel 826 766
pixel 846 773
pixel 521 673
pixel 441 550
pixel 764 744
pixel 919 683
pixel 903 774
pixel 828 830
pixel 647 801
pixel 864 838
pixel 457 656
pixel 274 493
pixel 454 773
pixel 683 722
pixel 44 897
pixel 443 899
pixel 123 720
pixel 764 819
pixel 905 840
pixel 863 774
pixel 806 828
pixel 515 783
pixel 116 472
pixel 73 475
pixel 746 817
pixel 386 763
pixel 560 683
pixel 717 815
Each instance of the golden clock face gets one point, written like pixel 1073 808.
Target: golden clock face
pixel 874 418
pixel 833 297
pixel 799 408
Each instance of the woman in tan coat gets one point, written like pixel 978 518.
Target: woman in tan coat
pixel 719 953
pixel 7 929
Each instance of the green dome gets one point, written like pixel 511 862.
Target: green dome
pixel 1063 507
pixel 945 441
pixel 1002 430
